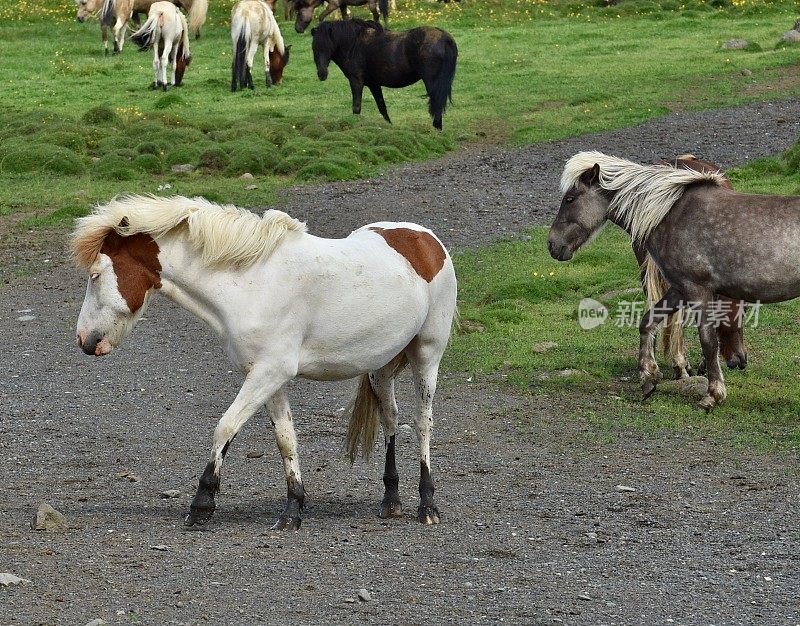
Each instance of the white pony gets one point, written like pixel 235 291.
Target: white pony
pixel 252 23
pixel 167 33
pixel 285 304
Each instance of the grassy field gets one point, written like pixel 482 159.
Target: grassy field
pixel 515 296
pixel 77 127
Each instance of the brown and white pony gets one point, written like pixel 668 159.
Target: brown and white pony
pixel 252 23
pixel 167 33
pixel 119 13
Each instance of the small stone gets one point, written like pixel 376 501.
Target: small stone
pixel 247 176
pixel 26 318
pixel 735 44
pixel 251 187
pixel 544 346
pixel 97 622
pixel 584 596
pixel 130 476
pixel 746 72
pixel 625 488
pixel 350 600
pixel 570 372
pixel 471 326
pixel 363 595
pixel 183 168
pixel 179 604
pixel 791 36
pixel 405 428
pixel 7 579
pixel 170 493
pixel 160 547
pixel 48 519
pixel 255 454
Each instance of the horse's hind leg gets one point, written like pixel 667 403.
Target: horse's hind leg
pixel 382 383
pixel 377 93
pixel 119 34
pixel 281 415
pixel 267 75
pixel 165 56
pixel 259 386
pixel 252 46
pixel 424 357
pixel 648 368
pixel 104 36
pixel 156 68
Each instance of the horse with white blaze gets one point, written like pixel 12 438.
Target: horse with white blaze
pixel 285 303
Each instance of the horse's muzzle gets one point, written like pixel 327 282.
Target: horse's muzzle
pixel 81 19
pixel 322 74
pixel 559 252
pixel 94 344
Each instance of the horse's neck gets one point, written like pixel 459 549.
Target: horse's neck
pixel 190 283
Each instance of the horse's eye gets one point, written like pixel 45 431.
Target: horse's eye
pixel 569 199
pixel 95 276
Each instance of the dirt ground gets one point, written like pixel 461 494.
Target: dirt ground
pixel 535 529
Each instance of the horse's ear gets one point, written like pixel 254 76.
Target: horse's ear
pixel 592 175
pixel 124 223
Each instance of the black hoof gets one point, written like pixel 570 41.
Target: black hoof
pixel 648 388
pixel 199 516
pixel 164 87
pixel 287 522
pixel 390 509
pixel 153 86
pixel 428 515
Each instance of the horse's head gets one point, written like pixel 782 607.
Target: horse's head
pixel 86 8
pixel 303 14
pixel 122 277
pixel 581 215
pixel 277 62
pixel 181 63
pixel 322 47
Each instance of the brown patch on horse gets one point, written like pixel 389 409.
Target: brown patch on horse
pixel 419 247
pixel 136 265
pixel 691 162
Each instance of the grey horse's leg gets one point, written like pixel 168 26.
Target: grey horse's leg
pixel 648 368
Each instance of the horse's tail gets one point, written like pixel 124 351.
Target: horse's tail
pixel 147 34
pixel 197 15
pixel 442 88
pixel 655 286
pixel 240 35
pixel 108 13
pixel 384 7
pixel 364 419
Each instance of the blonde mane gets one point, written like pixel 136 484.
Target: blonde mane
pixel 644 193
pixel 223 234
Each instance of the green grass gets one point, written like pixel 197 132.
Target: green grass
pixel 513 295
pixel 77 127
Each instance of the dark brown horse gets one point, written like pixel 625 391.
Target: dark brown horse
pixel 371 56
pixel 304 10
pixel 705 239
pixel 729 331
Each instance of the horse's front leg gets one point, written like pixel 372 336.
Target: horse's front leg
pixel 377 93
pixel 165 56
pixel 281 415
pixel 373 7
pixel 258 387
pixel 104 36
pixel 648 368
pixel 357 88
pixel 119 34
pixel 267 76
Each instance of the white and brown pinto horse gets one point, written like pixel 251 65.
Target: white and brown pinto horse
pixel 285 304
pixel 167 33
pixel 118 13
pixel 253 23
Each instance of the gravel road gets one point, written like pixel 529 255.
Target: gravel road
pixel 535 529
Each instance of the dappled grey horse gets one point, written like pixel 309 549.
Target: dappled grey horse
pixel 706 239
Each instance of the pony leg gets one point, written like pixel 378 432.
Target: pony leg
pixel 259 386
pixel 156 68
pixel 675 346
pixel 648 368
pixel 373 7
pixel 377 93
pixel 356 88
pixel 252 47
pixel 708 340
pixel 104 37
pixel 119 34
pixel 165 55
pixel 281 415
pixel 424 359
pixel 382 383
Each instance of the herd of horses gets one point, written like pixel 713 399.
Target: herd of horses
pixel 368 54
pixel 288 304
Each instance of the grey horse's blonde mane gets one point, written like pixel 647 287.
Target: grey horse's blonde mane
pixel 644 193
pixel 223 234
